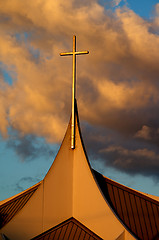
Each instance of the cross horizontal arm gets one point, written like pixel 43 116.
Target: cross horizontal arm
pixel 66 54
pixel 84 52
pixel 72 53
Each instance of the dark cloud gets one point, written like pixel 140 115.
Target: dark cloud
pixel 24 182
pixel 139 155
pixel 138 161
pixel 149 134
pixel 29 147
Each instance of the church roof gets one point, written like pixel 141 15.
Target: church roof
pixel 136 211
pixel 70 229
pixel 139 213
pixel 68 190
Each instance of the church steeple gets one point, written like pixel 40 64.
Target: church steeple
pixel 73 53
pixel 75 202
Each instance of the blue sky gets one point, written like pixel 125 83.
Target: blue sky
pixel 143 8
pixel 118 103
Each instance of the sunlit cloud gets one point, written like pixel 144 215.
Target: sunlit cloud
pixel 117 85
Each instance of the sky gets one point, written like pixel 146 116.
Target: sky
pixel 117 88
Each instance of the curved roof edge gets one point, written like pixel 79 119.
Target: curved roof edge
pixel 78 123
pixel 137 211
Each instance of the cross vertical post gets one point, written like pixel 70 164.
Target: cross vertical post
pixel 73 94
pixel 73 53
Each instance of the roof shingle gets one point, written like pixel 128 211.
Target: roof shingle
pixel 138 212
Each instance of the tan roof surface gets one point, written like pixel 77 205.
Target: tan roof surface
pixel 137 211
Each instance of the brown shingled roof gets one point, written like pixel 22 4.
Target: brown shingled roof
pixel 139 213
pixel 70 229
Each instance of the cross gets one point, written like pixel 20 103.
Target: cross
pixel 73 53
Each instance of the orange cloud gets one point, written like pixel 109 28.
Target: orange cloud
pixel 119 78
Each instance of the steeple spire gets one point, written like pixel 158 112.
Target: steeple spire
pixel 73 53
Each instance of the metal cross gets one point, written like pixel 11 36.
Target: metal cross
pixel 74 53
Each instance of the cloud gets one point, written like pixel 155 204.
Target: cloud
pixel 149 134
pixel 144 133
pixel 24 182
pixel 133 160
pixel 116 2
pixel 117 85
pixel 112 3
pixel 29 147
pixel 134 156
